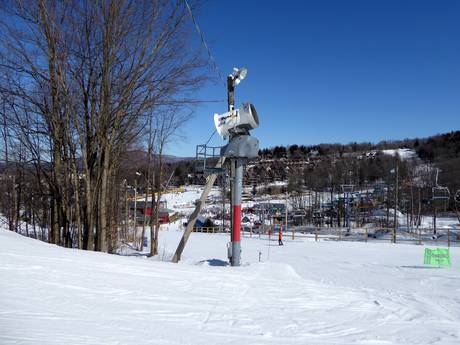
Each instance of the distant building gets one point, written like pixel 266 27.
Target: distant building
pixel 270 208
pixel 164 213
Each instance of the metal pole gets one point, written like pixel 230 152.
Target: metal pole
pixel 395 219
pixel 230 93
pixel 348 213
pixel 286 216
pixel 223 203
pixel 231 106
pixel 237 187
pixel 135 210
pixel 126 210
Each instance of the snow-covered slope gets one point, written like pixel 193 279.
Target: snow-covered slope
pixel 402 153
pixel 183 202
pixel 301 293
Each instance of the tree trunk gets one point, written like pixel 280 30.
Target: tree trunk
pixel 90 215
pixel 153 244
pixel 103 230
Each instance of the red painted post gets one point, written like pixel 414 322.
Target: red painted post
pixel 237 188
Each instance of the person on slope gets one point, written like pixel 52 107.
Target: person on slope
pixel 280 236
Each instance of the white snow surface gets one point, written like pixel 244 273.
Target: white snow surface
pixel 402 153
pixel 183 202
pixel 304 292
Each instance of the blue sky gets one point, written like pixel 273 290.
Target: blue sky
pixel 333 71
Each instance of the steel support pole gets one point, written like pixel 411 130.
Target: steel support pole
pixel 347 212
pixel 395 216
pixel 135 208
pixel 231 105
pixel 237 187
pixel 230 93
pixel 286 216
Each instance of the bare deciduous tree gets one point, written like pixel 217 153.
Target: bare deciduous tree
pixel 81 78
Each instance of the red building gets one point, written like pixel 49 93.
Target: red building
pixel 164 213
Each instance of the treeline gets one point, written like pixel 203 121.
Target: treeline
pixel 439 147
pixel 368 163
pixel 422 184
pixel 364 161
pixel 81 84
pixel 443 151
pixel 434 148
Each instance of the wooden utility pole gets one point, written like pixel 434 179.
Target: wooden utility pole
pixel 199 206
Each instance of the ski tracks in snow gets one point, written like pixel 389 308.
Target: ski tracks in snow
pixel 54 295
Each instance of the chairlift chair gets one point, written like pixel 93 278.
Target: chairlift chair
pixel 347 188
pixel 440 193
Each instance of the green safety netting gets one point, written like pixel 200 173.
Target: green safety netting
pixel 437 257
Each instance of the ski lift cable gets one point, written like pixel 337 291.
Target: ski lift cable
pixel 211 59
pixel 203 149
pixel 203 41
pixel 214 132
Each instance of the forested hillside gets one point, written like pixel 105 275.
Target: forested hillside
pixel 362 163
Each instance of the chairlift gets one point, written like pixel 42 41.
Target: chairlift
pixel 439 192
pixel 347 188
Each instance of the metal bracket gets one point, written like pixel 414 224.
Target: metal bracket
pixel 241 146
pixel 202 156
